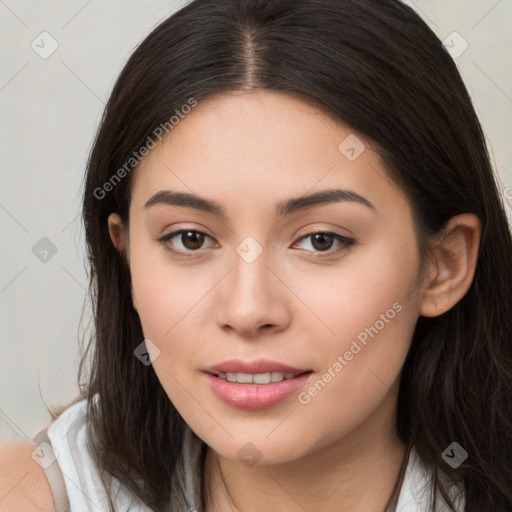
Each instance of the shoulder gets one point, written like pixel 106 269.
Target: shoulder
pixel 23 482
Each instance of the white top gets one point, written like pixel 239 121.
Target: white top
pixel 86 492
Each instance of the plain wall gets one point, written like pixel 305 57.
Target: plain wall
pixel 50 111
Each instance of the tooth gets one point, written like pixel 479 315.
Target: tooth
pixel 244 378
pixel 261 378
pixel 258 378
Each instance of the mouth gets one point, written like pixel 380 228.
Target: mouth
pixel 257 378
pixel 258 368
pixel 257 384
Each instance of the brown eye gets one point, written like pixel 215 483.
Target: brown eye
pixel 192 239
pixel 185 242
pixel 322 241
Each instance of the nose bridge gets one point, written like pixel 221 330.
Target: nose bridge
pixel 250 297
pixel 250 277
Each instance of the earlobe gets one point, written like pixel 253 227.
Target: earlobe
pixel 453 265
pixel 115 229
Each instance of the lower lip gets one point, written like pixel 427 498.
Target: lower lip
pixel 255 396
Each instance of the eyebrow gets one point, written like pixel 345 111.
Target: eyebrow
pixel 282 208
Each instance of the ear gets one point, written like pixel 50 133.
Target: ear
pixel 452 266
pixel 115 228
pixel 118 236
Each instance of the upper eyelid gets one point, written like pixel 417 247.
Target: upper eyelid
pixel 326 232
pixel 177 232
pixel 348 241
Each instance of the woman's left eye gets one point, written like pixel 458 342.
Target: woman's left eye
pixel 192 241
pixel 323 241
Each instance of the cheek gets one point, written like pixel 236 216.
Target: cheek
pixel 166 301
pixel 172 305
pixel 342 301
pixel 361 364
pixel 369 308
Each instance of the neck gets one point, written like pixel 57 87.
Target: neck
pixel 357 473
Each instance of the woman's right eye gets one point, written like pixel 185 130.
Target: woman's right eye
pixel 191 242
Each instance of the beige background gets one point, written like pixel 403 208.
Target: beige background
pixel 50 110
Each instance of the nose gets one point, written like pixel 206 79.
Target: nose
pixel 252 300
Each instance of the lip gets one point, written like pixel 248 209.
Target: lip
pixel 257 366
pixel 255 396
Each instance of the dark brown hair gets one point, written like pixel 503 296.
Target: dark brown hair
pixel 376 66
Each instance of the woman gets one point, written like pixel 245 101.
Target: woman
pixel 301 270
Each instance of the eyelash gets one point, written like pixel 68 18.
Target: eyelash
pixel 347 242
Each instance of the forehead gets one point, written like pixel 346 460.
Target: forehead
pixel 260 145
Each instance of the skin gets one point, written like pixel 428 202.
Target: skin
pixel 248 151
pixel 23 482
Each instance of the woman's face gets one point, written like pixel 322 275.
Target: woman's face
pixel 255 284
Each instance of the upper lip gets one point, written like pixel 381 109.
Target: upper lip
pixel 253 367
